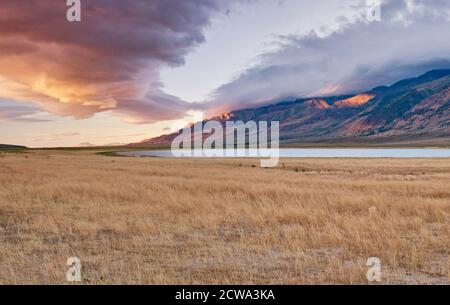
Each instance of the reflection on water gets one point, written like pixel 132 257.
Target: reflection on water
pixel 328 153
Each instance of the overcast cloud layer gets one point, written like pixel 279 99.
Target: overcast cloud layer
pixel 411 38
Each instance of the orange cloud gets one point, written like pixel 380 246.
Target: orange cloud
pixel 108 62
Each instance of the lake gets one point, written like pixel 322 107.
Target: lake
pixel 326 153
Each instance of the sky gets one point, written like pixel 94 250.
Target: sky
pixel 132 70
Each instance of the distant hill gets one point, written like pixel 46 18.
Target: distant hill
pixel 85 144
pixel 415 109
pixel 7 146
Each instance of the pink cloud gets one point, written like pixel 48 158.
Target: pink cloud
pixel 108 62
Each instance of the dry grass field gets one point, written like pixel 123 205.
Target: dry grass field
pixel 167 221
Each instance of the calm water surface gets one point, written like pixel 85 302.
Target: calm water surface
pixel 328 153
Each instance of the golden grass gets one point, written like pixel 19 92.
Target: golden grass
pixel 167 221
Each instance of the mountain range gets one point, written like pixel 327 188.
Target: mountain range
pixel 7 146
pixel 415 109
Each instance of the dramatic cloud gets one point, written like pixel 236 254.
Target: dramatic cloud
pixel 111 61
pixel 108 62
pixel 411 38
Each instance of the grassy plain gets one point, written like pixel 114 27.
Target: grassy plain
pixel 175 221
